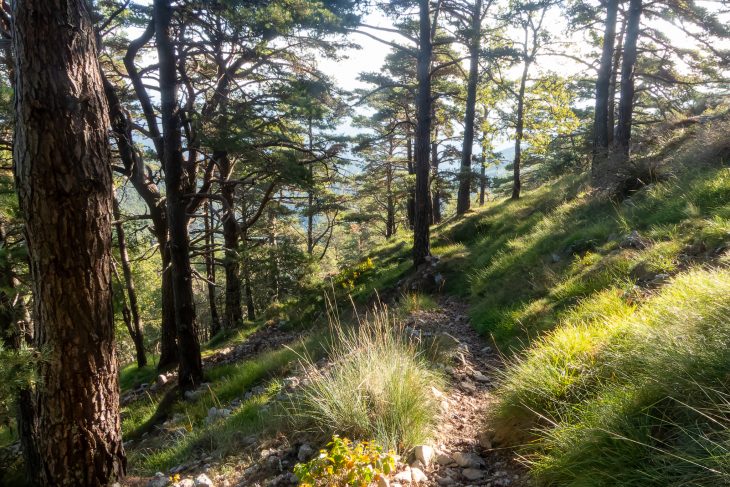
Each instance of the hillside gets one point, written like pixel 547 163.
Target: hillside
pixel 603 358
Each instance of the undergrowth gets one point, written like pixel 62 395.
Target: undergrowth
pixel 378 386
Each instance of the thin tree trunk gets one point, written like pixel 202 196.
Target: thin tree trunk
pixel 483 179
pixel 150 193
pixel 190 369
pixel 603 82
pixel 136 322
pixel 215 323
pixel 233 313
pixel 422 213
pixel 389 197
pixel 612 86
pixel 63 171
pixel 463 201
pixel 310 198
pixel 250 307
pixel 520 126
pixel 626 105
pixel 435 180
pixel 411 202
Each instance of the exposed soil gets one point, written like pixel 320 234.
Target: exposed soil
pixel 466 403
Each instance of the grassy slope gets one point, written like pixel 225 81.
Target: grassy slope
pixel 619 355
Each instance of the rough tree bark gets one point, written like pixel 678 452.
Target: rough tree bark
pixel 190 369
pixel 601 129
pixel 463 201
pixel 422 207
pixel 136 323
pixel 63 171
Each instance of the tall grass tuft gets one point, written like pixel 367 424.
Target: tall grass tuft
pixel 378 385
pixel 622 395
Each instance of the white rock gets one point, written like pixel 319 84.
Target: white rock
pixel 382 481
pixel 417 475
pixel 472 473
pixel 467 460
pixel 160 480
pixel 186 483
pixel 404 476
pixel 203 480
pixel 424 454
pixel 468 386
pixel 161 380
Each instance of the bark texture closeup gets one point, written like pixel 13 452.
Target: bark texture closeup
pixel 63 171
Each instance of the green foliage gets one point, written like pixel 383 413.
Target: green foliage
pixel 346 463
pixel 18 371
pixel 378 386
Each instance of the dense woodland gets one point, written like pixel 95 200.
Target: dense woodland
pixel 499 258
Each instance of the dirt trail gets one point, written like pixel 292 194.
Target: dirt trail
pixel 461 433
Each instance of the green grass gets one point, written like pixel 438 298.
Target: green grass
pixel 131 376
pixel 623 395
pixel 378 387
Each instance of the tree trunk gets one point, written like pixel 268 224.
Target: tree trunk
pixel 215 323
pixel 603 82
pixel 250 307
pixel 435 181
pixel 148 191
pixel 168 329
pixel 422 207
pixel 233 313
pixel 626 105
pixel 619 151
pixel 136 322
pixel 190 369
pixel 520 126
pixel 483 179
pixel 310 198
pixel 463 201
pixel 389 197
pixel 612 86
pixel 411 202
pixel 63 170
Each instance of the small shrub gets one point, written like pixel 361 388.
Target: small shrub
pixel 379 386
pixel 346 463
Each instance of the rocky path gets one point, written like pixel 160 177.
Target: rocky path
pixel 460 454
pixel 463 453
